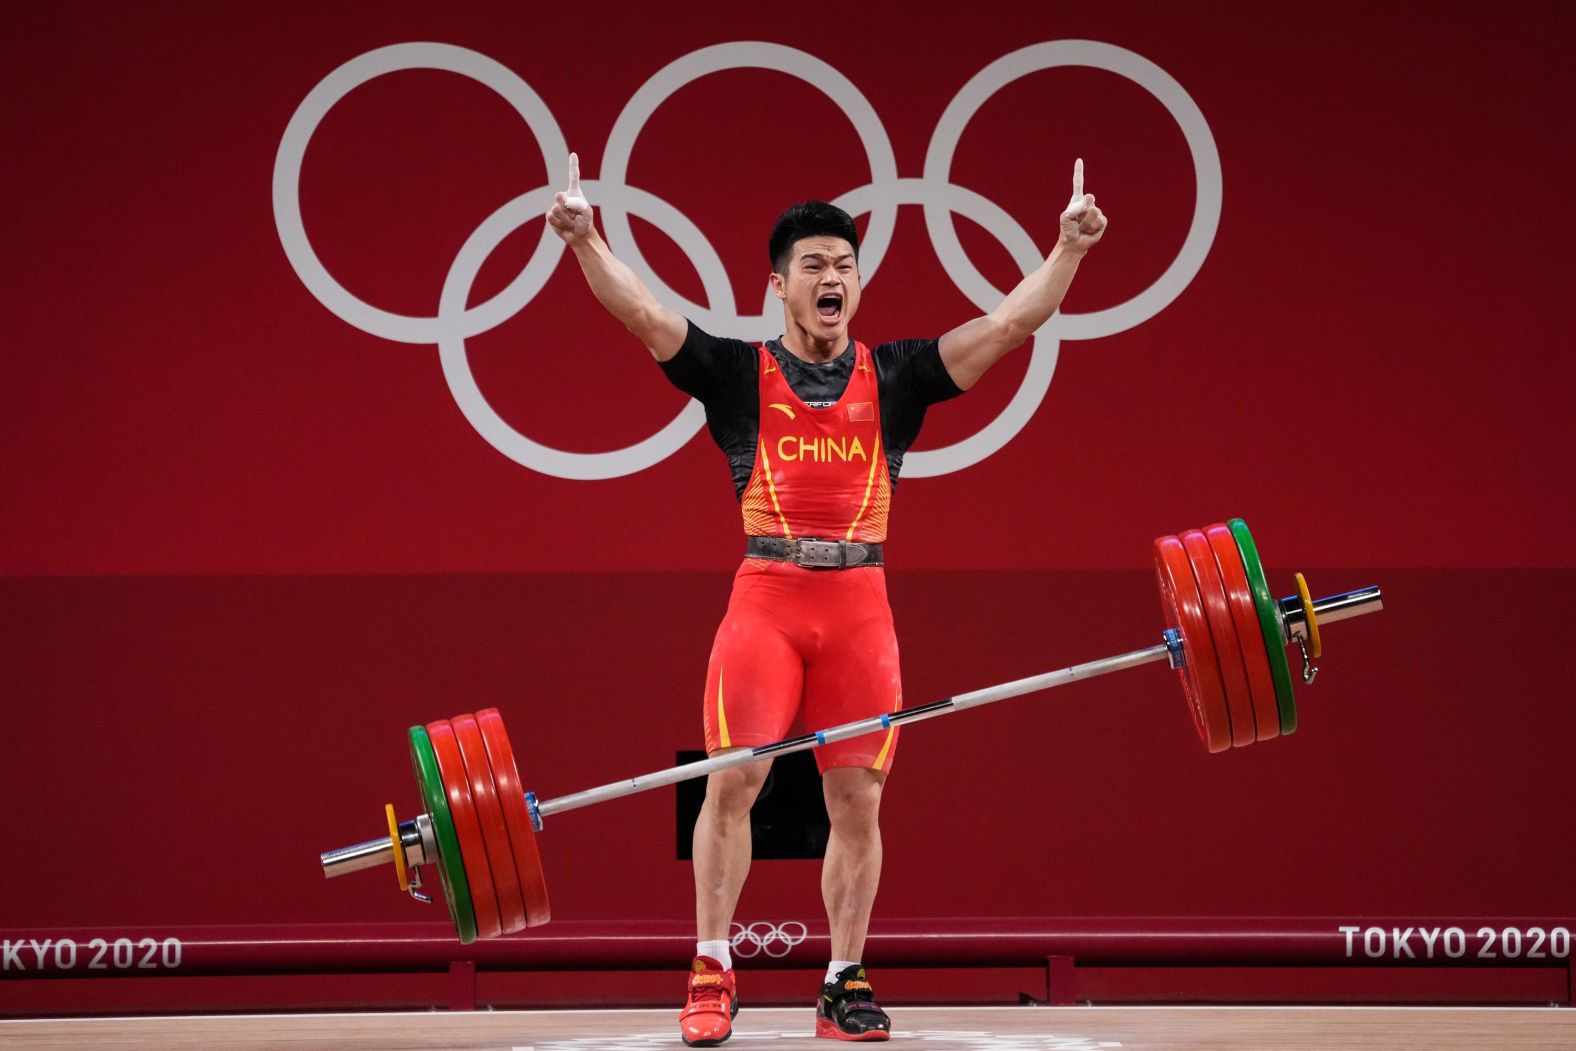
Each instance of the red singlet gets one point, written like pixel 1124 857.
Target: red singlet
pixel 812 645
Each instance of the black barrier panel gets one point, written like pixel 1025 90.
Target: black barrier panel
pixel 789 817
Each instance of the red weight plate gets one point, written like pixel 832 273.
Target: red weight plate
pixel 522 837
pixel 1200 673
pixel 495 832
pixel 473 848
pixel 1239 595
pixel 1233 673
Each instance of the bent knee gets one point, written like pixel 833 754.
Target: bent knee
pixel 853 795
pixel 733 791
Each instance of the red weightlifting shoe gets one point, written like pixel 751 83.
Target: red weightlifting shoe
pixel 707 1018
pixel 847 1009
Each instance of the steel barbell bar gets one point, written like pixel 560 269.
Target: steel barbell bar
pixel 1186 645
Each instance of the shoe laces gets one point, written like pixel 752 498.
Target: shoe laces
pixel 706 988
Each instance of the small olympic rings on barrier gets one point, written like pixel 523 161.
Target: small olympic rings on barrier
pixel 770 939
pixel 933 191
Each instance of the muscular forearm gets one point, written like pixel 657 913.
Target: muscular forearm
pixel 970 349
pixel 627 298
pixel 1037 296
pixel 614 284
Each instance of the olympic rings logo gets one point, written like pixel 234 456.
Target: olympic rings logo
pixel 933 191
pixel 769 938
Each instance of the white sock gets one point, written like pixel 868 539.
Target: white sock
pixel 837 967
pixel 717 950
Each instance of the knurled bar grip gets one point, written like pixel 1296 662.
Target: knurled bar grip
pixel 1328 610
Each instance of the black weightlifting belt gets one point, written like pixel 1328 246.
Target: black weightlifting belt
pixel 813 554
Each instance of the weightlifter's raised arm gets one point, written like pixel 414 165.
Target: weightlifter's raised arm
pixel 624 295
pixel 971 348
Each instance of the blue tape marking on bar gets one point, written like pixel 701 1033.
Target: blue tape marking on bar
pixel 820 737
pixel 536 812
pixel 886 722
pixel 1174 648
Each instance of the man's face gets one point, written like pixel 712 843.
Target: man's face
pixel 821 290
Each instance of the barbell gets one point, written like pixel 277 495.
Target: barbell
pixel 1225 636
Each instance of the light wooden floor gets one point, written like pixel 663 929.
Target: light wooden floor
pixel 938 1028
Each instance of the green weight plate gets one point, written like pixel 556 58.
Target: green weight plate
pixel 1269 621
pixel 451 871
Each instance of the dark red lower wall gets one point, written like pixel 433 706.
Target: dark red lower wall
pixel 950 959
pixel 180 749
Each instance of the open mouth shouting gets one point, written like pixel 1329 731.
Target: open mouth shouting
pixel 830 306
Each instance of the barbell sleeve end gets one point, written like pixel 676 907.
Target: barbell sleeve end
pixel 1334 608
pixel 372 853
pixel 415 836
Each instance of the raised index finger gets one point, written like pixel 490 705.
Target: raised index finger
pixel 1077 179
pixel 574 176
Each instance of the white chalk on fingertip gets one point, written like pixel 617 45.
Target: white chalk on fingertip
pixel 576 204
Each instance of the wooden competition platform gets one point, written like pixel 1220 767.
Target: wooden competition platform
pixel 788 1029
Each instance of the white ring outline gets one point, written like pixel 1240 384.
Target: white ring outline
pixel 749 54
pixel 403 328
pixel 1163 86
pixel 462 382
pixel 454 323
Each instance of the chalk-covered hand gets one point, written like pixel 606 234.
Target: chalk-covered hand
pixel 570 215
pixel 1082 221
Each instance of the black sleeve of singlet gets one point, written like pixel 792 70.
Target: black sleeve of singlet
pixel 708 368
pixel 721 375
pixel 912 378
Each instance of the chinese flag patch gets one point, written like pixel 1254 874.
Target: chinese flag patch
pixel 861 412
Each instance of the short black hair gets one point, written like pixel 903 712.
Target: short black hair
pixel 808 219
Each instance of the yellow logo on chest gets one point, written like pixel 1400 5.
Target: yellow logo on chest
pixel 821 450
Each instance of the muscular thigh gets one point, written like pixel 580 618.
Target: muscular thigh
pixel 755 678
pixel 853 671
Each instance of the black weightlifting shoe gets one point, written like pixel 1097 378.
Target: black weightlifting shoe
pixel 847 1009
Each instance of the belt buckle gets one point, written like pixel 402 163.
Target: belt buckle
pixel 820 554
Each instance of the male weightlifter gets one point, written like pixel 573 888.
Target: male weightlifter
pixel 814 426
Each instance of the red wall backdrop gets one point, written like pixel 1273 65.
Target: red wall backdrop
pixel 246 543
